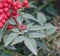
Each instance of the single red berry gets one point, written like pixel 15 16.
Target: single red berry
pixel 9 27
pixel 1 11
pixel 1 24
pixel 6 10
pixel 3 21
pixel 5 17
pixel 25 2
pixel 14 3
pixel 14 13
pixel 22 26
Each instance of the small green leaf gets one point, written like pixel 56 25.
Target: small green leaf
pixel 31 45
pixel 38 27
pixel 18 40
pixel 29 25
pixel 41 18
pixel 51 10
pixel 15 30
pixel 50 30
pixel 37 35
pixel 28 16
pixel 19 20
pixel 11 21
pixel 5 37
pixel 10 38
pixel 3 29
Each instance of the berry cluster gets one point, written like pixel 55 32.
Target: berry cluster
pixel 9 8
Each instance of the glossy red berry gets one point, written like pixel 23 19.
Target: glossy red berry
pixel 3 21
pixel 14 3
pixel 22 26
pixel 6 10
pixel 9 27
pixel 1 11
pixel 25 2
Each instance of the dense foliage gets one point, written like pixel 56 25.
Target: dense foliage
pixel 29 28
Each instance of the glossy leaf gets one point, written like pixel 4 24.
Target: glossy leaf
pixel 31 45
pixel 28 16
pixel 10 38
pixel 41 18
pixel 18 40
pixel 37 35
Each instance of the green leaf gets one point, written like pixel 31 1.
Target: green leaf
pixel 50 30
pixel 10 38
pixel 41 18
pixel 5 37
pixel 38 27
pixel 11 21
pixel 18 40
pixel 3 29
pixel 28 16
pixel 51 10
pixel 19 20
pixel 37 35
pixel 15 30
pixel 31 45
pixel 29 25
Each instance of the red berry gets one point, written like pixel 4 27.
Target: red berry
pixel 3 21
pixel 1 11
pixel 1 24
pixel 6 9
pixel 9 27
pixel 25 2
pixel 14 3
pixel 22 27
pixel 5 17
pixel 14 13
